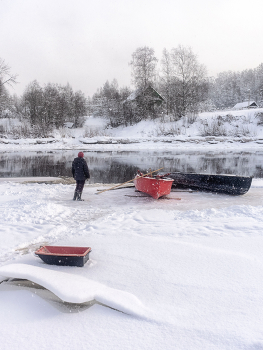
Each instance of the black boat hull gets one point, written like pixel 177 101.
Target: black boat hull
pixel 228 184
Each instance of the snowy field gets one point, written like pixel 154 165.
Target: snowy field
pixel 163 274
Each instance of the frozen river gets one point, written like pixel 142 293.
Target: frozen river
pixel 115 167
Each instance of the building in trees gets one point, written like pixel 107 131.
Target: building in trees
pixel 145 100
pixel 141 104
pixel 148 96
pixel 229 87
pixel 246 105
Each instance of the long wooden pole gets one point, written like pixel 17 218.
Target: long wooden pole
pixel 129 181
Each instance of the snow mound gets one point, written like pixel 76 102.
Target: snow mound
pixel 76 289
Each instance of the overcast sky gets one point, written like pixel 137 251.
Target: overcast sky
pixel 86 42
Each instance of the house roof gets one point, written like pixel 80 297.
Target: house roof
pixel 135 94
pixel 245 104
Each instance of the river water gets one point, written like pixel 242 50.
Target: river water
pixel 116 167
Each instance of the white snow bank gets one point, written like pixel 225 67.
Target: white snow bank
pixel 29 179
pixel 76 289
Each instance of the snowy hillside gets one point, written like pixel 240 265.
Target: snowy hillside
pixel 221 128
pixel 230 124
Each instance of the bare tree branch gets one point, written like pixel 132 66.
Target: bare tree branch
pixel 6 77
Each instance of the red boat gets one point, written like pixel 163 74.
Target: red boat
pixel 156 186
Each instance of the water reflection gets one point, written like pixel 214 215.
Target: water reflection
pixel 115 167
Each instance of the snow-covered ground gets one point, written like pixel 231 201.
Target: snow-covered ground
pixel 178 273
pixel 165 274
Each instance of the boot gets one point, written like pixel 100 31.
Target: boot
pixel 75 195
pixel 79 196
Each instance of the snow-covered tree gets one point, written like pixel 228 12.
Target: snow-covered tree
pixel 6 78
pixel 166 79
pixel 229 88
pixel 183 81
pixel 50 105
pixel 6 103
pixel 80 108
pixel 53 105
pixel 33 100
pixel 143 65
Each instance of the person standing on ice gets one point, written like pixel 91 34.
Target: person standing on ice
pixel 80 172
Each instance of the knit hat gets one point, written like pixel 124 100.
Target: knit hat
pixel 80 154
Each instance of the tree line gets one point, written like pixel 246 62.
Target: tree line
pixel 46 107
pixel 182 81
pixel 229 88
pixel 178 76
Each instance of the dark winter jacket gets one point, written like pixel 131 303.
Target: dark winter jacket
pixel 80 170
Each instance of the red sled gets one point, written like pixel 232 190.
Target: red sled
pixel 64 256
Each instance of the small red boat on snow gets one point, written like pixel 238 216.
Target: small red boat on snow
pixel 156 186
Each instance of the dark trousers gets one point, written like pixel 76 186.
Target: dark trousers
pixel 79 185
